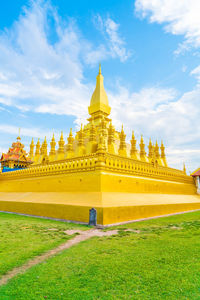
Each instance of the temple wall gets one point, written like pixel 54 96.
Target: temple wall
pixel 91 178
pixel 120 214
pixel 121 189
pixel 112 182
pixel 95 181
pixel 105 161
pixel 75 182
pixel 94 173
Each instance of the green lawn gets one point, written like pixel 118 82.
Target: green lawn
pixel 24 237
pixel 160 260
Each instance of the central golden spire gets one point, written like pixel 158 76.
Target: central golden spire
pixel 99 102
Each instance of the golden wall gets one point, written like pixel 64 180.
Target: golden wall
pixel 121 189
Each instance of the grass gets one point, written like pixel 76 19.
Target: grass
pixel 22 238
pixel 160 259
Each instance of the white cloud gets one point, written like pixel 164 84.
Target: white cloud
pixel 95 56
pixel 179 18
pixel 179 156
pixel 2 76
pixel 33 132
pixel 3 150
pixel 196 73
pixel 177 120
pixel 30 132
pixel 39 76
pixel 115 44
pixel 145 104
pixel 35 72
pixel 158 113
pixel 184 68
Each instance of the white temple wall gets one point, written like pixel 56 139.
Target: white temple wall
pixel 198 184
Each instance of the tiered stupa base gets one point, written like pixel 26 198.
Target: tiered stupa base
pixel 96 169
pixel 110 210
pixel 116 197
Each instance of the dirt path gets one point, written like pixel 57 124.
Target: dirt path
pixel 83 235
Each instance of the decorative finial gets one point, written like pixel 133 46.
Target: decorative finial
pixel 150 144
pixel 53 138
pixel 19 138
pixel 99 104
pixel 184 168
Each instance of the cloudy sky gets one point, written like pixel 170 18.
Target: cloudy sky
pixel 150 56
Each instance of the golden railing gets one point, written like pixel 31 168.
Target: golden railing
pixel 109 162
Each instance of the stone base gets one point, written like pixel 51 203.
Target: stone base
pixel 111 207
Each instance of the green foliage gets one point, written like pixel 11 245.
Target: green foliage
pixel 155 259
pixel 22 238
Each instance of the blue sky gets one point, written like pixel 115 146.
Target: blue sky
pixel 150 56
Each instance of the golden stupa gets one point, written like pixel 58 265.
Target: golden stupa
pixel 98 169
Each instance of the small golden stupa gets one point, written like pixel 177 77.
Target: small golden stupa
pixel 98 169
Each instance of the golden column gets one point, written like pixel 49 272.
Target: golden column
pixel 163 157
pixel 61 150
pixel 42 149
pixel 52 153
pixel 122 145
pixel 81 148
pixel 184 169
pixel 134 151
pixel 92 137
pixel 111 139
pixel 151 151
pixel 70 139
pixel 103 127
pixel 142 150
pixel 91 146
pixel 157 154
pixel 101 151
pixel 31 153
pixel 37 151
pixel 45 147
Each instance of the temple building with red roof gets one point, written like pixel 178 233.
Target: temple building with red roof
pixel 196 175
pixel 16 157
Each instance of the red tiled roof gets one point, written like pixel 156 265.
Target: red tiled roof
pixel 14 157
pixel 16 153
pixel 197 173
